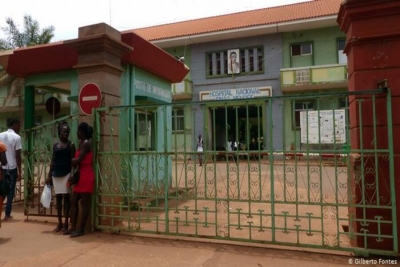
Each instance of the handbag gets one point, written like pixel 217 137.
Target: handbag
pixel 5 184
pixel 75 176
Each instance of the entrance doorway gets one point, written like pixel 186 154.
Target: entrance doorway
pixel 236 123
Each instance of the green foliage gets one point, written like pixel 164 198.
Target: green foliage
pixel 31 34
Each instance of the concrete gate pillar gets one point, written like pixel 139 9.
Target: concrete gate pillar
pixel 373 48
pixel 100 49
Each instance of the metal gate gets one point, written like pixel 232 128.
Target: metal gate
pixel 286 189
pixel 37 152
pixel 284 184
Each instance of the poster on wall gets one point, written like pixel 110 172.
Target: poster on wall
pixel 233 61
pixel 328 128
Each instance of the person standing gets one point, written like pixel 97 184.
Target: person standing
pixel 229 145
pixel 12 140
pixel 59 174
pixel 83 190
pixel 3 162
pixel 236 146
pixel 200 149
pixel 253 146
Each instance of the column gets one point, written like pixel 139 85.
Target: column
pixel 372 45
pixel 100 49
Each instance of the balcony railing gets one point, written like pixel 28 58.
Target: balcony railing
pixel 314 77
pixel 182 90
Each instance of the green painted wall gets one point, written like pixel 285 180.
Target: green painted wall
pixel 324 46
pixel 292 135
pixel 139 87
pixel 182 140
pixel 325 52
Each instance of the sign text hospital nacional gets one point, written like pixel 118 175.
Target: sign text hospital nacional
pixel 240 93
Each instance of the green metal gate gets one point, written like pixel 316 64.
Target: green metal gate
pixel 37 151
pixel 284 188
pixel 283 191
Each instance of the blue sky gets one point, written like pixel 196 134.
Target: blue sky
pixel 68 16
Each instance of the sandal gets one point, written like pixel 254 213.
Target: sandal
pixel 68 232
pixel 58 228
pixel 65 228
pixel 76 234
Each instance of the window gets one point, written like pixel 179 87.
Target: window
pixel 219 71
pixel 225 70
pixel 260 59
pixel 301 106
pixel 250 60
pixel 343 103
pixel 301 49
pixel 342 57
pixel 145 124
pixel 178 120
pixel 242 61
pixel 210 64
pixel 303 76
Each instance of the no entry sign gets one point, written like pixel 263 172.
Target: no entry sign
pixel 89 98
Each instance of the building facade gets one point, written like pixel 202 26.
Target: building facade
pixel 301 53
pixel 233 59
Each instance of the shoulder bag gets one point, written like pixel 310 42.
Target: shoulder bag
pixel 5 183
pixel 75 176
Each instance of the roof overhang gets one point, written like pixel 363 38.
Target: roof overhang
pixel 153 59
pixel 26 61
pixel 289 26
pixel 60 56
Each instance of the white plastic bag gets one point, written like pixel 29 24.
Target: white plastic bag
pixel 45 199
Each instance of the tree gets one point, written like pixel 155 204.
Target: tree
pixel 30 36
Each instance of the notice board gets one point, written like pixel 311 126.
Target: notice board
pixel 323 126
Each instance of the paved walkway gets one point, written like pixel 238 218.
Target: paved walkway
pixel 32 243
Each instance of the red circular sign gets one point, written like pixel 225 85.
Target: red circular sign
pixel 89 98
pixel 53 106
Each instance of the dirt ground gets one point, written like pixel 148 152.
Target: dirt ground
pixel 32 243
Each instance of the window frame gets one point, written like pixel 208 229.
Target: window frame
pixel 343 103
pixel 145 131
pixel 338 41
pixel 244 62
pixel 296 111
pixel 180 118
pixel 301 49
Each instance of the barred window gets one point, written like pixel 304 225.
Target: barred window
pixel 250 60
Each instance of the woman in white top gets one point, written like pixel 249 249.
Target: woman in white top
pixel 200 149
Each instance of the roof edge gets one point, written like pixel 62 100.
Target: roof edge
pixel 278 27
pixel 217 16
